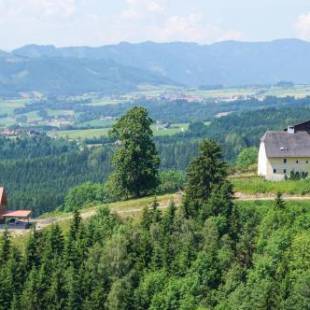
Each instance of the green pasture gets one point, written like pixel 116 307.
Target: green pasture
pixel 256 185
pixel 83 134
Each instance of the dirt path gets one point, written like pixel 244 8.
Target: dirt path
pixel 268 197
pixel 43 223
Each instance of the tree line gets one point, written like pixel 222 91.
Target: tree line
pixel 208 253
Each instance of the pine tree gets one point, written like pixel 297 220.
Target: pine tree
pixel 5 247
pixel 56 240
pixel 73 301
pixel 169 219
pixel 32 252
pixel 56 295
pixel 75 225
pixel 204 174
pixel 30 298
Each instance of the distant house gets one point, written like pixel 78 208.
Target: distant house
pixel 14 219
pixel 282 152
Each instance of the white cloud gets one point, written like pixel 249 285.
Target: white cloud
pixel 28 9
pixel 85 22
pixel 162 27
pixel 302 26
pixel 139 9
pixel 194 28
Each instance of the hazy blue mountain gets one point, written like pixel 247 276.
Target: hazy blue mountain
pixel 3 53
pixel 67 76
pixel 228 63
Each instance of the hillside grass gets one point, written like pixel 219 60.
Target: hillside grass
pixel 257 185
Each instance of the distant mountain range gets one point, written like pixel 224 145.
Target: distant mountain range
pixel 122 67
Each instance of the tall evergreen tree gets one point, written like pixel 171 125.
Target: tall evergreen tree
pixel 205 172
pixel 5 247
pixel 136 161
pixel 32 252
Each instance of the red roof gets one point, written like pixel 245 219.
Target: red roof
pixel 17 213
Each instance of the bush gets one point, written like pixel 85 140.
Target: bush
pixel 296 175
pixel 171 181
pixel 246 158
pixel 84 194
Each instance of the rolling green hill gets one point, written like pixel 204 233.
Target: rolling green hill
pixel 70 76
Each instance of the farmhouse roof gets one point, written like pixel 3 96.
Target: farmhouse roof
pixel 284 144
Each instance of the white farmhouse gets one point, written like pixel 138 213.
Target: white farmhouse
pixel 282 152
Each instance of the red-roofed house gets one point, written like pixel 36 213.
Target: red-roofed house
pixel 16 218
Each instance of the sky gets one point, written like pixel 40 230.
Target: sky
pixel 101 22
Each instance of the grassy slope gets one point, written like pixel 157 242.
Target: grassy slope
pixel 255 185
pixel 125 209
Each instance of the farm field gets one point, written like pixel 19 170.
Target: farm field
pixel 297 91
pixel 67 114
pixel 83 134
pixel 80 134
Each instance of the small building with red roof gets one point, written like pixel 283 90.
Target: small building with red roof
pixel 13 216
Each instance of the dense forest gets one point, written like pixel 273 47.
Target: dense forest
pixel 209 253
pixel 38 171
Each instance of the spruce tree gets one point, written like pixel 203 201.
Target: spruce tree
pixel 5 247
pixel 205 172
pixel 32 252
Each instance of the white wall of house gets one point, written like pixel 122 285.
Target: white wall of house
pixel 275 169
pixel 283 166
pixel 262 165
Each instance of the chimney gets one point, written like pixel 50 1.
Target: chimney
pixel 291 129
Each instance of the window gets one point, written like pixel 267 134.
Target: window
pixel 284 171
pixel 307 161
pixel 284 160
pixel 297 161
pixel 274 170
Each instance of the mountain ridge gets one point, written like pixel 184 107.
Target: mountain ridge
pixel 230 63
pixel 125 66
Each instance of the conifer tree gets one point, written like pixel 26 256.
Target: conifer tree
pixel 205 172
pixel 279 202
pixel 32 252
pixel 5 247
pixel 56 240
pixel 73 290
pixel 56 295
pixel 169 219
pixel 30 296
